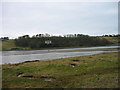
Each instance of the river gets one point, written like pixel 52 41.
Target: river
pixel 14 57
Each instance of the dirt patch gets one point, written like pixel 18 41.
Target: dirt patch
pixel 48 78
pixel 26 76
pixel 76 60
pixel 31 61
pixel 73 65
pixel 20 74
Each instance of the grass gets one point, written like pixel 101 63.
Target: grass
pixel 94 71
pixel 10 45
pixel 114 40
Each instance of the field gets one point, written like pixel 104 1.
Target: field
pixel 10 45
pixel 94 71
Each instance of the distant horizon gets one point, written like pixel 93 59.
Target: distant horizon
pixel 57 35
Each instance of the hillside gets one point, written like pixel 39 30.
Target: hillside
pixel 10 45
pixel 114 40
pixel 60 41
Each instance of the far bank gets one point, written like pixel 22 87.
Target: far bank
pixel 9 45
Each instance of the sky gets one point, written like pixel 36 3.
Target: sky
pixel 58 18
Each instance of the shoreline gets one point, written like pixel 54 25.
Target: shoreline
pixel 52 54
pixel 29 49
pixel 113 51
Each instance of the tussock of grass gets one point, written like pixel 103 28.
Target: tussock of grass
pixel 95 71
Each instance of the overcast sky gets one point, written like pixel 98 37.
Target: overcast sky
pixel 59 18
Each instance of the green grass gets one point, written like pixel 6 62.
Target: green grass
pixel 10 45
pixel 94 71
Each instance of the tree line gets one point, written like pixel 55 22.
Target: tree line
pixel 117 35
pixel 69 40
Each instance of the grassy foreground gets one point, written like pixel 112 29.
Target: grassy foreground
pixel 94 71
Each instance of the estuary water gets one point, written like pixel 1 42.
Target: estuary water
pixel 14 57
